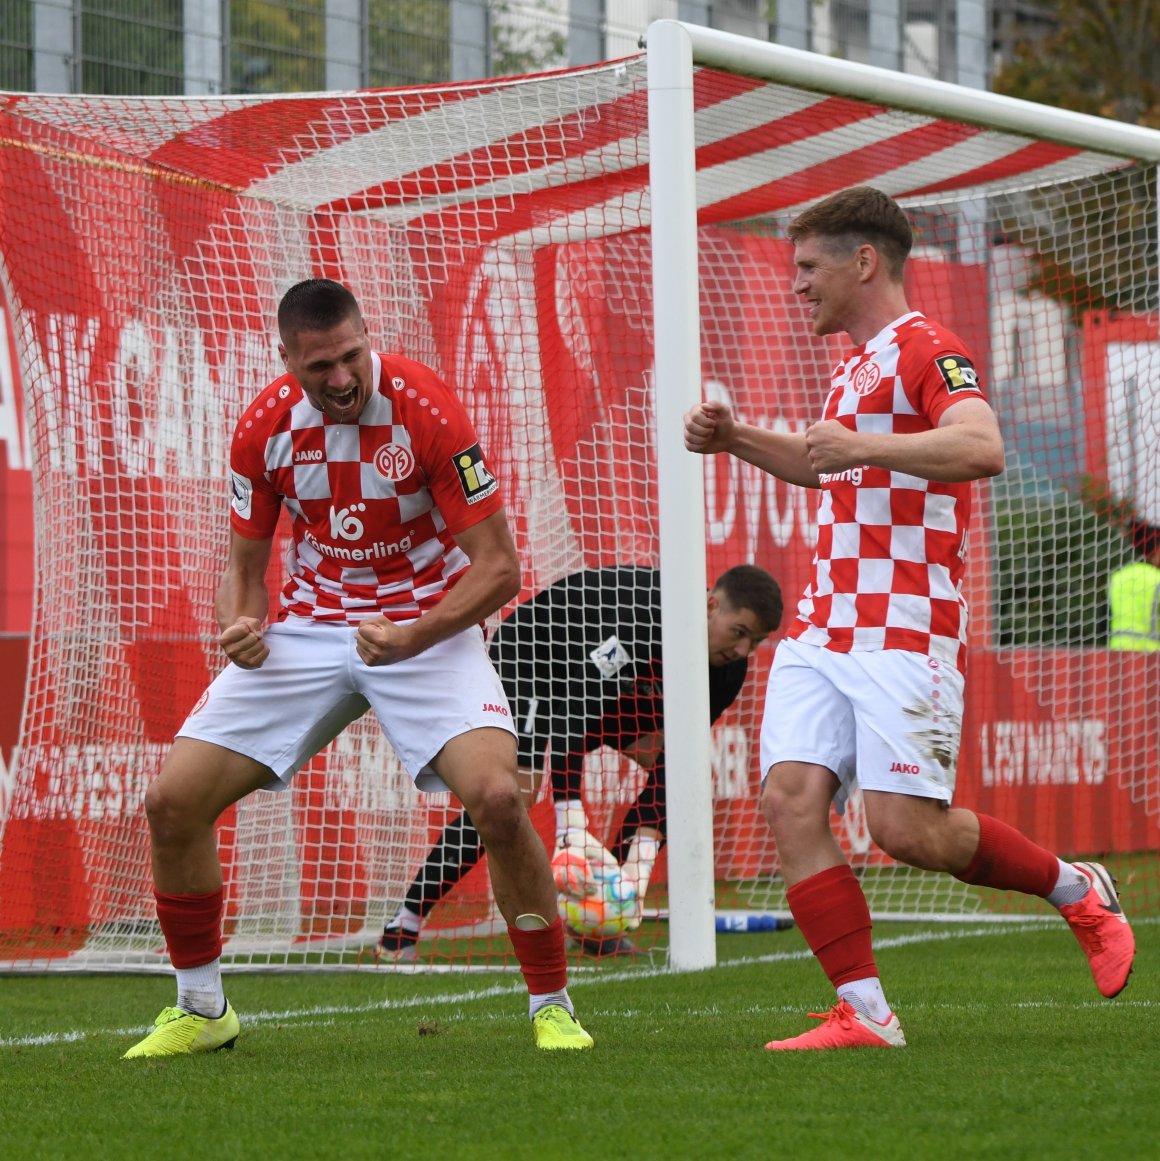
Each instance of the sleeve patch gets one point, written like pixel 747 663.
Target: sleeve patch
pixel 241 495
pixel 958 373
pixel 474 478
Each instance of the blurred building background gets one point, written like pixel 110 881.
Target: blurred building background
pixel 138 47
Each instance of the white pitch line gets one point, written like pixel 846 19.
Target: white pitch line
pixel 326 1012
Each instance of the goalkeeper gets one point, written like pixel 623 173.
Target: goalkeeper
pixel 581 663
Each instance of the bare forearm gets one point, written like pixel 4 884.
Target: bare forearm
pixel 479 592
pixel 781 453
pixel 240 595
pixel 952 454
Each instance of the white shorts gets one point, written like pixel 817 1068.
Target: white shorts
pixel 313 685
pixel 889 718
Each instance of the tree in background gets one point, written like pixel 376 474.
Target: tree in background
pixel 129 46
pixel 1103 57
pixel 523 41
pixel 276 49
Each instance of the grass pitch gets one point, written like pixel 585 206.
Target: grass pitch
pixel 1012 1054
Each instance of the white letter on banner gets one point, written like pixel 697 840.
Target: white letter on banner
pixel 11 429
pixel 780 521
pixel 134 367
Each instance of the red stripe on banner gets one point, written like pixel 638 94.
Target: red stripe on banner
pixel 1100 331
pixel 824 115
pixel 859 165
pixel 326 246
pixel 491 219
pixel 482 222
pixel 1038 155
pixel 535 149
pixel 245 145
pixel 578 133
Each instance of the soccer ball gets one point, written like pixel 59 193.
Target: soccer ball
pixel 595 898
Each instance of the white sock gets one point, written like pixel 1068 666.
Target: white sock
pixel 407 920
pixel 1071 886
pixel 639 862
pixel 535 1003
pixel 570 815
pixel 200 990
pixel 866 996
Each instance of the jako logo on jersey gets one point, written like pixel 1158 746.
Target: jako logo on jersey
pixel 903 768
pixel 393 461
pixel 491 708
pixel 241 493
pixel 866 378
pixel 958 373
pixel 477 482
pixel 308 455
pixel 345 523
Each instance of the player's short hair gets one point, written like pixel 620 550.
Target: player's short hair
pixel 861 215
pixel 317 304
pixel 1145 539
pixel 746 586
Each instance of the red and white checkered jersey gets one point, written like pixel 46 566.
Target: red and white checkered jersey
pixel 373 504
pixel 891 547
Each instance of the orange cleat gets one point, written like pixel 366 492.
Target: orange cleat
pixel 843 1026
pixel 1099 923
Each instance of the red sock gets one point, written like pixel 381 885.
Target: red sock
pixel 542 958
pixel 192 926
pixel 1007 859
pixel 831 912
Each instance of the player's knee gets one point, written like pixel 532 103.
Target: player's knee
pixel 771 801
pixel 914 848
pixel 497 812
pixel 783 808
pixel 170 815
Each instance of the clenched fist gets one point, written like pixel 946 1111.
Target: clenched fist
pixel 382 642
pixel 242 643
pixel 708 427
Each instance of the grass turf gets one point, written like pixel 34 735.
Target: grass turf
pixel 1012 1054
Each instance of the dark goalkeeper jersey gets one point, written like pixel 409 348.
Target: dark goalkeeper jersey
pixel 581 663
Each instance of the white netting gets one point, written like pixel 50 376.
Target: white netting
pixel 498 232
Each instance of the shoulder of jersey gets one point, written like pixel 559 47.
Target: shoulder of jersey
pixel 269 405
pixel 922 327
pixel 399 372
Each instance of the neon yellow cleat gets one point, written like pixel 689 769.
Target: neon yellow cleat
pixel 177 1032
pixel 555 1027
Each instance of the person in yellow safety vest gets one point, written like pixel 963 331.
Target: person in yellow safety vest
pixel 1134 596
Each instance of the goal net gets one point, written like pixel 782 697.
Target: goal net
pixel 501 232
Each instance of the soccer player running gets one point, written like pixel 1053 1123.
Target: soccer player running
pixel 400 549
pixel 581 661
pixel 869 678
